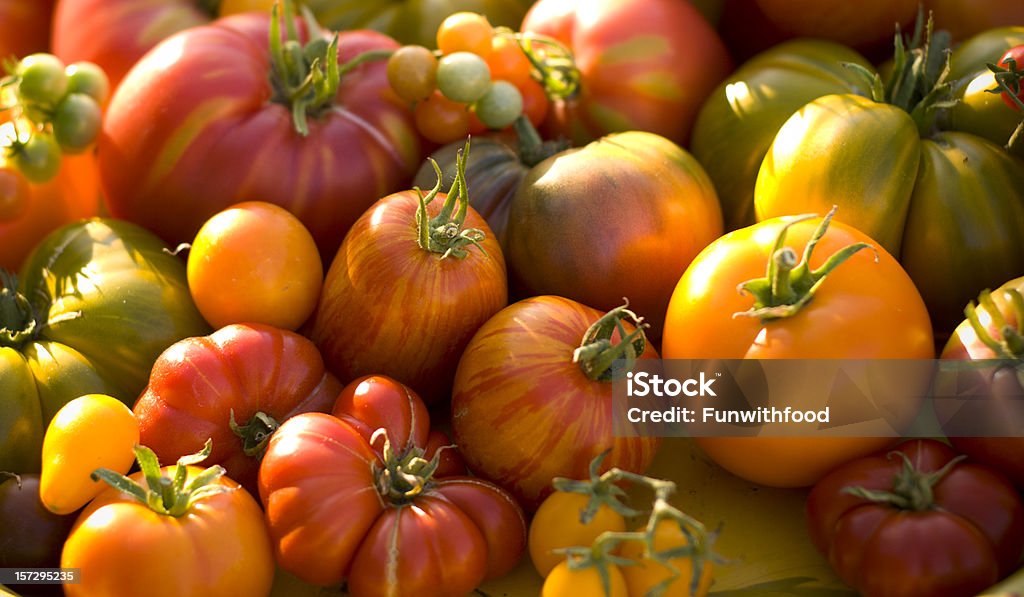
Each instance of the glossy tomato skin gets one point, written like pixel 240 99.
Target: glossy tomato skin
pixel 219 547
pixel 738 121
pixel 199 383
pixel 444 540
pixel 392 308
pixel 976 522
pixel 863 310
pixel 173 153
pixel 524 413
pixel 96 333
pixel 644 65
pixel 563 238
pixel 946 206
pixel 24 27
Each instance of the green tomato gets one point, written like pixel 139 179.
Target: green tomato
pixel 38 158
pixel 500 106
pixel 88 78
pixel 76 122
pixel 463 77
pixel 42 79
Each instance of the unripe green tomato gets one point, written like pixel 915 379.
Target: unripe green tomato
pixel 76 122
pixel 463 77
pixel 500 106
pixel 42 79
pixel 38 158
pixel 90 79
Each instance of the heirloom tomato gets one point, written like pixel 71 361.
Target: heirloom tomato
pixel 177 531
pixel 964 18
pixel 948 205
pixel 235 386
pixel 185 137
pixel 413 280
pixel 357 496
pixel 24 27
pixel 533 392
pixel 737 123
pixel 989 430
pixel 642 65
pixel 857 24
pixel 33 536
pixel 865 308
pixel 917 521
pixel 95 305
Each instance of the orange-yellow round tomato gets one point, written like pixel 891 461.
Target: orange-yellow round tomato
pixel 565 582
pixel 218 547
pixel 864 309
pixel 557 525
pixel 255 262
pixel 648 573
pixel 90 432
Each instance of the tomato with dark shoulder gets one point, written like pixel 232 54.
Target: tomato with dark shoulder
pixel 174 152
pixel 917 521
pixel 33 536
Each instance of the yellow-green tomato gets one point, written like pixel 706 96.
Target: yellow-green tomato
pixel 557 525
pixel 90 432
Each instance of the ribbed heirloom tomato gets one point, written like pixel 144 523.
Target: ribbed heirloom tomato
pixel 864 308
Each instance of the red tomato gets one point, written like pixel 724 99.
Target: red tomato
pixel 523 412
pixel 252 374
pixel 643 64
pixel 1015 54
pixel 340 506
pixel 173 153
pixel 935 526
pixel 24 27
pixel 392 305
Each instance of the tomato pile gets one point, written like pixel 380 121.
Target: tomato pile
pixel 302 297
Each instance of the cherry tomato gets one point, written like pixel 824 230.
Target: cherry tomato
pixel 465 32
pixel 463 77
pixel 42 79
pixel 565 582
pixel 412 72
pixel 38 158
pixel 648 573
pixel 1016 54
pixel 500 106
pixel 237 276
pixel 508 62
pixel 535 101
pixel 88 78
pixel 557 525
pixel 441 120
pixel 76 122
pixel 15 194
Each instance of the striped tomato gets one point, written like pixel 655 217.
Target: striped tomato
pixel 525 411
pixel 404 304
pixel 212 116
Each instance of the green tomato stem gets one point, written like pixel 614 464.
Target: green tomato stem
pixel 597 355
pixel 444 233
pixel 404 474
pixel 912 489
pixel 255 434
pixel 18 319
pixel 1008 342
pixel 788 286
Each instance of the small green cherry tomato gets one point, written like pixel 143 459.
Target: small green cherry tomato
pixel 463 77
pixel 42 79
pixel 500 106
pixel 76 122
pixel 38 158
pixel 90 79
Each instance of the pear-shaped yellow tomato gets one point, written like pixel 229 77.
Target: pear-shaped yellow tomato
pixel 90 432
pixel 557 525
pixel 648 573
pixel 585 582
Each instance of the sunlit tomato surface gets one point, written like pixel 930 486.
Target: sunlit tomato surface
pixel 557 525
pixel 565 582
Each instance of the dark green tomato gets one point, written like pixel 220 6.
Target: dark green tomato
pixel 76 122
pixel 494 171
pixel 738 122
pixel 97 302
pixel 32 536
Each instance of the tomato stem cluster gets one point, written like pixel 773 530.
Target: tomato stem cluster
pixel 255 434
pixel 789 284
pixel 597 355
pixel 403 475
pixel 17 317
pixel 912 489
pixel 553 63
pixel 169 496
pixel 603 490
pixel 1009 342
pixel 444 233
pixel 1009 80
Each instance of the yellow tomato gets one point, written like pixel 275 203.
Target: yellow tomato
pixel 255 262
pixel 648 573
pixel 90 432
pixel 565 582
pixel 557 525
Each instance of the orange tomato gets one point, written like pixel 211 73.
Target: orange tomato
pixel 648 573
pixel 465 32
pixel 557 525
pixel 255 262
pixel 565 582
pixel 508 62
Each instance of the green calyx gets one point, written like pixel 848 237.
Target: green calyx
pixel 402 475
pixel 596 355
pixel 912 490
pixel 1008 341
pixel 789 285
pixel 443 234
pixel 1009 80
pixel 553 63
pixel 169 496
pixel 18 319
pixel 255 434
pixel 919 82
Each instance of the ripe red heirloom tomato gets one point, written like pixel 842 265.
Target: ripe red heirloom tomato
pixel 185 138
pixel 24 27
pixel 917 521
pixel 525 409
pixel 376 510
pixel 235 386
